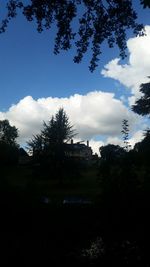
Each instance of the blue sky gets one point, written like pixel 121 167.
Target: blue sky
pixel 28 67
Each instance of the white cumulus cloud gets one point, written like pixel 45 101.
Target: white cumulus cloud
pixel 94 114
pixel 137 70
pixel 137 137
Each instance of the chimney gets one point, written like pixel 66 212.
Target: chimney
pixel 71 141
pixel 88 143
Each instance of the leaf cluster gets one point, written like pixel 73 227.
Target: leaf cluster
pixel 142 105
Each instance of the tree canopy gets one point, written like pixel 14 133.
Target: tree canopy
pixel 8 145
pixel 8 133
pixel 111 152
pixel 83 23
pixel 143 146
pixel 142 105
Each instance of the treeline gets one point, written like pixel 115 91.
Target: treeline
pixel 124 173
pixel 120 168
pixel 48 148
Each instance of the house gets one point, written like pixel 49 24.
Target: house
pixel 78 150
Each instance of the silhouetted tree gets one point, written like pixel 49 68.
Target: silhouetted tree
pixel 111 156
pixel 110 167
pixel 142 149
pixel 111 152
pixel 125 132
pixel 8 145
pixel 145 3
pixel 36 146
pixel 142 169
pixel 8 133
pixel 96 21
pixel 118 180
pixel 142 105
pixel 49 146
pixel 58 130
pixel 55 134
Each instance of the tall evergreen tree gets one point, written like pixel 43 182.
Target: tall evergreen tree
pixel 58 130
pixel 49 146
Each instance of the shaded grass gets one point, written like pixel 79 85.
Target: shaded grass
pixel 22 179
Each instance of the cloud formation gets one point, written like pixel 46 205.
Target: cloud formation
pixel 135 72
pixel 94 114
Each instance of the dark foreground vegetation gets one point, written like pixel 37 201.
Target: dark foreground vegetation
pixel 112 229
pixel 58 208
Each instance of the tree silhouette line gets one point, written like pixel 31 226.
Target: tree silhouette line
pixel 48 148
